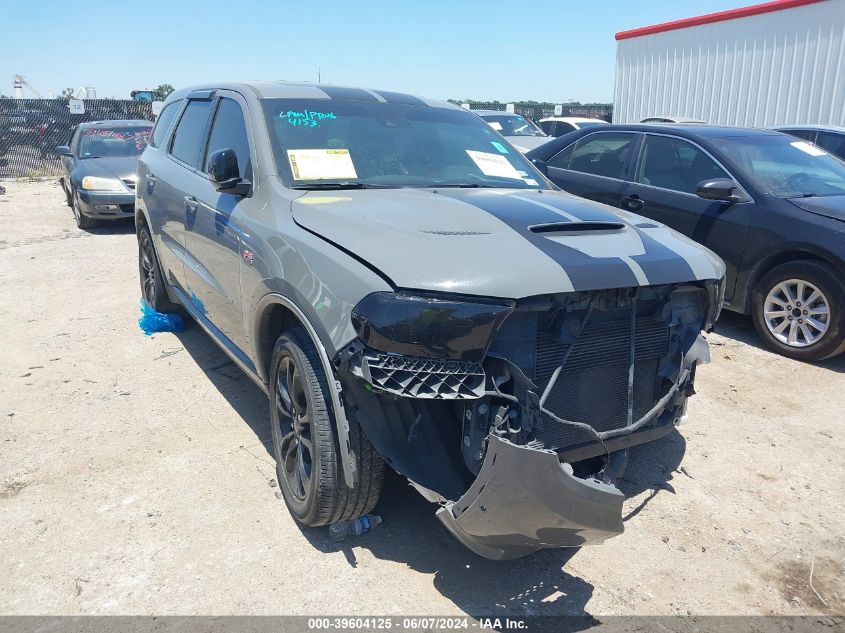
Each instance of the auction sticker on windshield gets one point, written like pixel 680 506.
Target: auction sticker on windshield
pixel 321 164
pixel 809 148
pixel 494 165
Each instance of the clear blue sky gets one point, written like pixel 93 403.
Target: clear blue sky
pixel 505 50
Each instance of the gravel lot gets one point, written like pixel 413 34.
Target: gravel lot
pixel 135 476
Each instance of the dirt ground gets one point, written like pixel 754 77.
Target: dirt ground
pixel 135 476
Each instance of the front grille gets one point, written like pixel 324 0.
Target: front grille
pixel 416 377
pixel 593 386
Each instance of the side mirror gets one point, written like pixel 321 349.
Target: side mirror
pixel 224 172
pixel 718 189
pixel 63 150
pixel 541 165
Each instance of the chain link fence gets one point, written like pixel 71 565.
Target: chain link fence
pixel 535 110
pixel 30 130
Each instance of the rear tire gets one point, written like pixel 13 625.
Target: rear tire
pixel 153 288
pixel 83 221
pixel 305 442
pixel 798 309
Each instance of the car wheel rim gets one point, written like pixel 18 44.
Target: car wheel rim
pixel 796 313
pixel 148 277
pixel 296 448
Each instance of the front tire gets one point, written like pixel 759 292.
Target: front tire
pixel 305 444
pixel 83 221
pixel 153 289
pixel 799 310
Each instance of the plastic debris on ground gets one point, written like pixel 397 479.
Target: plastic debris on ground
pixel 152 321
pixel 354 527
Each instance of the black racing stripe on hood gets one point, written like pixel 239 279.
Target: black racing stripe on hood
pixel 574 207
pixel 585 272
pixel 661 264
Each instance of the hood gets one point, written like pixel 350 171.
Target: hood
pixel 828 206
pixel 508 243
pixel 120 167
pixel 527 143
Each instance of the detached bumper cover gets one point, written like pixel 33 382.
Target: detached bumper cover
pixel 524 500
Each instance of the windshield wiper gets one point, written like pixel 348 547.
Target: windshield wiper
pixel 341 185
pixel 464 185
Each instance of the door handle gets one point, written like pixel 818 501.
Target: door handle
pixel 632 202
pixel 191 204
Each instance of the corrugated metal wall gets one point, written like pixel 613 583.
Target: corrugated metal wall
pixel 778 68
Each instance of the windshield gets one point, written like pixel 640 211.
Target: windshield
pixel 512 125
pixel 332 144
pixel 786 167
pixel 99 142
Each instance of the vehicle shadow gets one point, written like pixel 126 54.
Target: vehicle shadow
pixel 652 467
pixel 243 395
pixel 740 328
pixel 536 585
pixel 122 226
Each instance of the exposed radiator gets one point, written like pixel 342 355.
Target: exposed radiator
pixel 593 387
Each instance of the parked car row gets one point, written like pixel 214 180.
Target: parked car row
pixel 409 290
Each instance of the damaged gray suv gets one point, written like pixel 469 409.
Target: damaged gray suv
pixel 408 289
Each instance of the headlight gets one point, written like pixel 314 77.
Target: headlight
pixel 715 300
pixel 102 184
pixel 428 326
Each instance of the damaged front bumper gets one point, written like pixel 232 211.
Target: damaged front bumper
pixel 525 499
pixel 484 408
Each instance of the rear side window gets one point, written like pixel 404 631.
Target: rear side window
pixel 165 119
pixel 188 137
pixel 807 135
pixel 561 128
pixel 832 142
pixel 74 140
pixel 229 132
pixel 602 154
pixel 671 163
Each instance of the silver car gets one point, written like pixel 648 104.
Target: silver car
pixel 519 131
pixel 407 288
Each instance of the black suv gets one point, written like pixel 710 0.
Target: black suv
pixel 772 206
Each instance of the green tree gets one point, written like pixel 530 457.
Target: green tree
pixel 66 94
pixel 163 91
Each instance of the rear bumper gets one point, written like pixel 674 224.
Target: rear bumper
pixel 97 204
pixel 524 500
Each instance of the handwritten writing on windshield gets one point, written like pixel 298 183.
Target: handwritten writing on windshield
pixel 306 118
